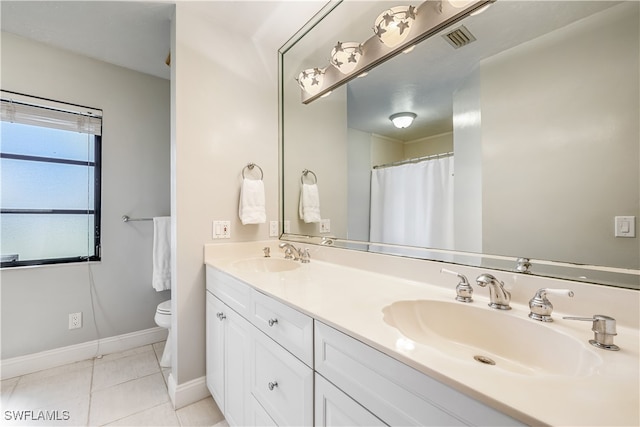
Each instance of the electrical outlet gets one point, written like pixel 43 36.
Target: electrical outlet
pixel 325 225
pixel 226 230
pixel 75 320
pixel 287 226
pixel 273 228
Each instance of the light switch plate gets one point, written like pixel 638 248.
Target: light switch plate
pixel 325 226
pixel 625 226
pixel 221 230
pixel 273 229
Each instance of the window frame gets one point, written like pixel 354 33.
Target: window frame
pixel 97 198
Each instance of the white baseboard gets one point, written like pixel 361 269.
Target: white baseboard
pixel 187 393
pixel 22 365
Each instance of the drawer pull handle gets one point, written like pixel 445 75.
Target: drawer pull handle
pixel 221 316
pixel 273 385
pixel 273 322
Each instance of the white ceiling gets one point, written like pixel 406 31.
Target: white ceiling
pixel 137 34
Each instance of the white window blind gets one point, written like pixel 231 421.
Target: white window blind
pixel 27 110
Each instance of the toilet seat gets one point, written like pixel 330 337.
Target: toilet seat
pixel 164 307
pixel 163 319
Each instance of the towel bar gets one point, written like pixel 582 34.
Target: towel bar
pixel 305 173
pixel 126 218
pixel 250 166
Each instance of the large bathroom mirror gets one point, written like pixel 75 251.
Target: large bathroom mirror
pixel 525 142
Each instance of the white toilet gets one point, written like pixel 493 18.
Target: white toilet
pixel 163 319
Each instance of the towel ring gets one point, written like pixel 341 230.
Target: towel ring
pixel 250 166
pixel 305 173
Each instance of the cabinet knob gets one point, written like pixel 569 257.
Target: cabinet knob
pixel 220 315
pixel 273 322
pixel 273 385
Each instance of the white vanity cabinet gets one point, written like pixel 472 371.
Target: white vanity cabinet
pixel 394 392
pixel 259 355
pixel 228 338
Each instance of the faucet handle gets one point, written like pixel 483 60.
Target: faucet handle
pixel 267 251
pixel 604 329
pixel 464 291
pixel 541 308
pixel 305 257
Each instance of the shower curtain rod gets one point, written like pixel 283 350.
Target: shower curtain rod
pixel 416 160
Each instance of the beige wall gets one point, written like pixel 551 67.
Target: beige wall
pixel 436 144
pixel 572 146
pixel 224 115
pixel 319 145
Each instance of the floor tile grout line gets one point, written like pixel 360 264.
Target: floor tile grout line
pixel 93 368
pixel 136 413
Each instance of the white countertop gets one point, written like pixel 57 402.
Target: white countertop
pixel 352 299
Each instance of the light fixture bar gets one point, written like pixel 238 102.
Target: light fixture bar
pixel 431 18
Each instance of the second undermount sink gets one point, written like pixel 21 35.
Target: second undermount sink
pixel 266 265
pixel 466 332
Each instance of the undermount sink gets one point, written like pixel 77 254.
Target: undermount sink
pixel 482 335
pixel 266 265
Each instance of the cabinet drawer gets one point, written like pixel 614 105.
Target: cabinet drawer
pixel 282 384
pixel 231 291
pixel 393 391
pixel 287 326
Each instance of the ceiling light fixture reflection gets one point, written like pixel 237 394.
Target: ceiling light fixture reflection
pixel 392 26
pixel 345 56
pixel 311 79
pixel 402 120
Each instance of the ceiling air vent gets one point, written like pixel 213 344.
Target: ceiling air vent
pixel 459 37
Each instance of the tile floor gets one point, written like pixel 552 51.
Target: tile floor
pixel 120 389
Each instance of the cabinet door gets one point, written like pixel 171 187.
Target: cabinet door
pixel 236 385
pixel 334 408
pixel 215 348
pixel 258 416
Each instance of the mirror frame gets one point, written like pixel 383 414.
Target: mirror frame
pixel 600 275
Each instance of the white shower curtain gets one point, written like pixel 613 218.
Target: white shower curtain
pixel 412 204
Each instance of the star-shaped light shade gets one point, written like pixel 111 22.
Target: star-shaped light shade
pixel 311 80
pixel 393 26
pixel 345 56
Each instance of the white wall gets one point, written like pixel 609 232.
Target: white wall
pixel 36 301
pixel 593 122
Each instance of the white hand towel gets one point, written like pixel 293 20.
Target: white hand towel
pixel 252 205
pixel 309 208
pixel 161 277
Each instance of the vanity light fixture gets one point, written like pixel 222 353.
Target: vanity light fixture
pixel 345 56
pixel 392 26
pixel 402 120
pixel 311 79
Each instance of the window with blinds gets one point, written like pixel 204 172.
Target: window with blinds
pixel 50 181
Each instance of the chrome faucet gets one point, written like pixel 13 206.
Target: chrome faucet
pixel 498 295
pixel 464 291
pixel 291 252
pixel 541 307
